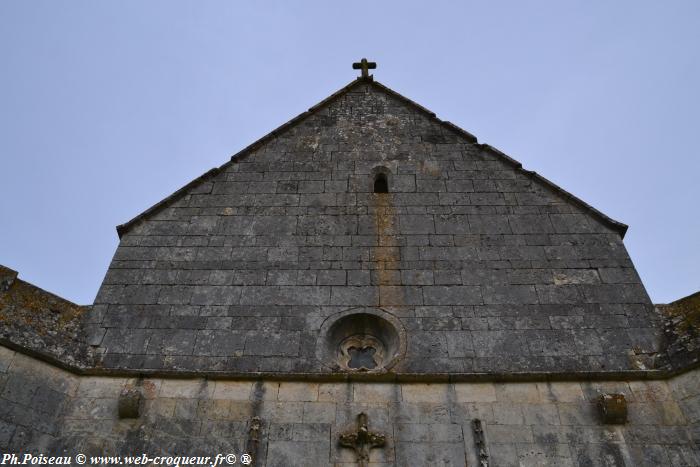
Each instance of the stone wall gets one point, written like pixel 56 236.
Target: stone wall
pixel 489 268
pixel 42 323
pixel 34 398
pixel 682 331
pixel 686 392
pixel 50 411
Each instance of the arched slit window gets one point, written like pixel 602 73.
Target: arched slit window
pixel 380 184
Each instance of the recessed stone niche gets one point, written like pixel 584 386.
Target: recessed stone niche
pixel 361 340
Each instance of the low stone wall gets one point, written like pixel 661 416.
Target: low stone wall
pixel 42 323
pixel 682 331
pixel 50 411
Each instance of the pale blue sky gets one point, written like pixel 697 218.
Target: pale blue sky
pixel 108 107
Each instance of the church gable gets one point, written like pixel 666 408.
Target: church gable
pixel 365 127
pixel 366 285
pixel 485 267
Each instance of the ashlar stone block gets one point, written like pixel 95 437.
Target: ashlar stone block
pixel 186 388
pixel 650 391
pixel 517 392
pixel 100 387
pixel 475 392
pixel 298 454
pixel 335 392
pixel 232 390
pixel 424 393
pixel 319 412
pixel 376 392
pixel 540 414
pixel 560 391
pixel 304 392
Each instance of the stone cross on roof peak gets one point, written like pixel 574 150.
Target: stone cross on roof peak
pixel 365 66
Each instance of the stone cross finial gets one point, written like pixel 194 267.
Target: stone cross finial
pixel 365 66
pixel 362 440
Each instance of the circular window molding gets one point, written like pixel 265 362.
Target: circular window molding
pixel 361 340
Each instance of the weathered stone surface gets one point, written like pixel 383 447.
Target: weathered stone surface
pixel 490 271
pixel 40 322
pixel 129 403
pixel 524 423
pixel 230 267
pixel 613 408
pixel 681 331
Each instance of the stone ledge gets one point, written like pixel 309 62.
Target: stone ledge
pixel 82 370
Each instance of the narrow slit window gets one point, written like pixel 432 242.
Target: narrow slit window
pixel 380 184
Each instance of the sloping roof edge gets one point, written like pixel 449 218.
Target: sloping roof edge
pixel 619 227
pixel 125 227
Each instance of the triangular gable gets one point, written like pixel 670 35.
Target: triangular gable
pixel 613 224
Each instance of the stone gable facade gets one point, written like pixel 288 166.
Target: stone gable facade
pixel 490 270
pixel 475 312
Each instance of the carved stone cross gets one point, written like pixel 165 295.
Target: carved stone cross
pixel 365 66
pixel 362 440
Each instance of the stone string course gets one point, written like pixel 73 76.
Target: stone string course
pixel 43 409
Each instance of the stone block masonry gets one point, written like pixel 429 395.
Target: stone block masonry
pixel 490 269
pixel 50 411
pixel 370 271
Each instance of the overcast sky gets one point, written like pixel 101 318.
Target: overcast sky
pixel 108 107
